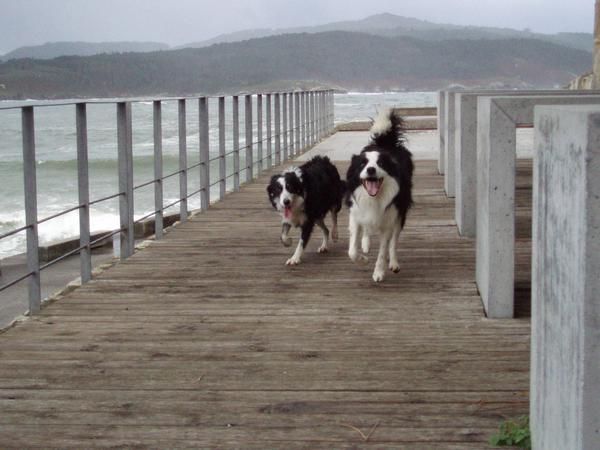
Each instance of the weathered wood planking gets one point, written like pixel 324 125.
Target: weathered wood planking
pixel 205 339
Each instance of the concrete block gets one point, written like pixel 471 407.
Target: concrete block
pixel 565 353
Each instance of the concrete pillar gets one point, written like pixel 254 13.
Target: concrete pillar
pixel 596 76
pixel 441 121
pixel 449 173
pixel 465 156
pixel 494 270
pixel 565 353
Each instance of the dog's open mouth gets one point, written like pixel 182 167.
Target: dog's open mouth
pixel 287 212
pixel 372 185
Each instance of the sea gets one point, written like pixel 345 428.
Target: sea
pixel 55 137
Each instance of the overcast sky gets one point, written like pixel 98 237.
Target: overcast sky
pixel 176 22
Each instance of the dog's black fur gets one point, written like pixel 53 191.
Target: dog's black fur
pixel 379 194
pixel 313 190
pixel 394 158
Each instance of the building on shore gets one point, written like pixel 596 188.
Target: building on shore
pixel 591 80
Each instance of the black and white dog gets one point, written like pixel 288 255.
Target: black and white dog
pixel 304 195
pixel 379 193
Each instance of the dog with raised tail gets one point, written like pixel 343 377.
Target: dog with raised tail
pixel 379 193
pixel 304 195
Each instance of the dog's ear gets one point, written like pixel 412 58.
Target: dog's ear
pixel 354 168
pixel 272 183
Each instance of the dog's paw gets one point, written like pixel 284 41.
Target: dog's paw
pixel 394 267
pixel 287 241
pixel 357 257
pixel 323 248
pixel 365 244
pixel 378 275
pixel 293 261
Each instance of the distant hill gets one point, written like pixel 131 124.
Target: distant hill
pixel 354 61
pixel 55 49
pixel 391 25
pixel 385 24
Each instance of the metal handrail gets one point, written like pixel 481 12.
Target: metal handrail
pixel 295 120
pixel 55 103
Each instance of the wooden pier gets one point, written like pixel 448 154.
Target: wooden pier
pixel 205 339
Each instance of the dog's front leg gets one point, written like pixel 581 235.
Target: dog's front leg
pixel 285 239
pixel 334 227
pixel 379 272
pixel 365 243
pixel 353 246
pixel 307 228
pixel 394 265
pixel 324 247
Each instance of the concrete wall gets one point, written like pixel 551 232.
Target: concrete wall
pixel 565 354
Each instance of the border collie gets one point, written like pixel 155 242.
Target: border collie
pixel 304 195
pixel 379 192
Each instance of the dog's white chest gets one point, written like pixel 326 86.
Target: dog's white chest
pixel 375 214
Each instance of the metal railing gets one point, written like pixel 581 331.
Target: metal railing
pixel 294 122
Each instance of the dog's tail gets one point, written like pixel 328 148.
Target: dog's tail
pixel 388 129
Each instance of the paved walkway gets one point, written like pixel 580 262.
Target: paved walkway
pixel 206 339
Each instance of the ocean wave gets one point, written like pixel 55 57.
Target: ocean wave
pixel 94 164
pixel 10 224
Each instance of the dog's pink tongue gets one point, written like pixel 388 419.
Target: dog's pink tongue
pixel 287 212
pixel 372 187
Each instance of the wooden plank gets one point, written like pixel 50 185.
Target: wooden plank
pixel 206 339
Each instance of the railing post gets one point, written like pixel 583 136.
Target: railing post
pixel 269 133
pixel 307 121
pixel 83 190
pixel 318 110
pixel 297 121
pixel 259 131
pixel 325 114
pixel 204 153
pixel 291 124
pixel 30 185
pixel 249 146
pixel 332 109
pixel 222 158
pixel 277 130
pixel 284 126
pixel 303 120
pixel 183 205
pixel 158 169
pixel 236 142
pixel 125 157
pixel 312 118
pixel 321 116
